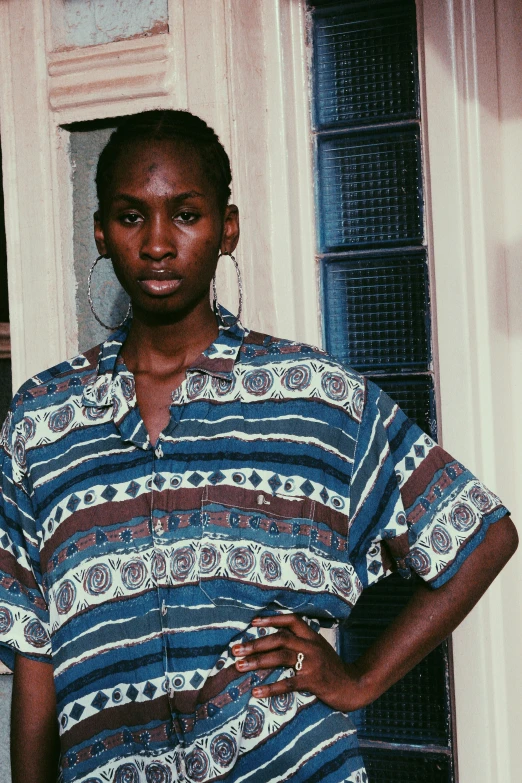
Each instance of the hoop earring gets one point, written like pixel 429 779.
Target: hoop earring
pixel 91 303
pixel 239 285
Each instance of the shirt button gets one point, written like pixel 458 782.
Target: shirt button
pixel 159 452
pixel 163 608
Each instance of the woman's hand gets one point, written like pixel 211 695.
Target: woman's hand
pixel 323 673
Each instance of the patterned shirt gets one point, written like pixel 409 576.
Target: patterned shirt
pixel 284 481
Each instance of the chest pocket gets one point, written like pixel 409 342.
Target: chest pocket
pixel 259 550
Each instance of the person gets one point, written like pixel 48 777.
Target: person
pixel 185 505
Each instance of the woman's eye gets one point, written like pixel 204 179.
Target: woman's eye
pixel 186 217
pixel 131 218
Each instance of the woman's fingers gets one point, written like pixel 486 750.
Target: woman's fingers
pixel 276 688
pixel 284 638
pixel 290 621
pixel 270 660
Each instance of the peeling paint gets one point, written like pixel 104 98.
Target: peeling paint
pixel 109 298
pixel 81 23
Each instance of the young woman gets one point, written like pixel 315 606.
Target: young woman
pixel 184 505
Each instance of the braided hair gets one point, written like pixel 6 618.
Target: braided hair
pixel 167 124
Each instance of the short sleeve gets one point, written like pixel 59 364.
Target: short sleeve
pixel 413 507
pixel 24 616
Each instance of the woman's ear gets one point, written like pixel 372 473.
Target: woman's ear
pixel 230 235
pixel 99 236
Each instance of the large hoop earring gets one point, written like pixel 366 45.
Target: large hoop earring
pixel 91 303
pixel 239 285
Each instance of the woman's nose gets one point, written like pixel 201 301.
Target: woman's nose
pixel 158 239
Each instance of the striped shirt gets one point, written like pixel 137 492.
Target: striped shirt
pixel 284 481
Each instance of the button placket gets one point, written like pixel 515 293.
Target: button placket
pixel 156 528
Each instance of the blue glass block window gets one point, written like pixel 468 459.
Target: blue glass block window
pixel 377 312
pixel 370 189
pixel 366 64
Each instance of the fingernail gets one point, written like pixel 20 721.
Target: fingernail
pixel 242 665
pixel 257 692
pixel 238 650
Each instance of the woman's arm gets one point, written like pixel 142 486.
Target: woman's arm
pixel 429 617
pixel 34 727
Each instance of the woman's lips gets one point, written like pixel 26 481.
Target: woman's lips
pixel 157 286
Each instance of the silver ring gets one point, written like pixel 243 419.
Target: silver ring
pixel 299 664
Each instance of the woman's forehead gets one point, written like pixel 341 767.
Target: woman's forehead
pixel 171 163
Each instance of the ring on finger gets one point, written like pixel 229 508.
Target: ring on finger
pixel 299 664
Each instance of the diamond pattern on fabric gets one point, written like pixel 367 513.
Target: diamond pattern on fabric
pixel 196 679
pixel 109 493
pixel 132 489
pixel 195 479
pixel 274 482
pixel 100 700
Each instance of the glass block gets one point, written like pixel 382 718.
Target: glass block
pixel 385 766
pixel 90 22
pixel 370 189
pixel 377 312
pixel 416 396
pixel 416 709
pixel 365 63
pixel 5 388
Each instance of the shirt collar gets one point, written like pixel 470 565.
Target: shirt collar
pixel 217 360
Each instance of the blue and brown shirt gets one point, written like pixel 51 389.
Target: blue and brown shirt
pixel 284 481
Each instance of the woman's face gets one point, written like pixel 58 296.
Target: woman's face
pixel 163 228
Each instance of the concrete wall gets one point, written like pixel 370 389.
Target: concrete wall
pixel 90 22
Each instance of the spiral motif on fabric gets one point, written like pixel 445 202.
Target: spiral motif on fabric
pixel 181 563
pixel 127 773
pixel 441 540
pixel 101 391
pixel 282 703
pixel 97 580
pixel 209 559
pixel 133 574
pixel 159 567
pixel 299 563
pixel 297 378
pixel 222 386
pixel 93 414
pixel 420 561
pixel 358 402
pixel 195 385
pixel 315 576
pixel 254 721
pixel 127 387
pixel 241 561
pixel 197 764
pixel 19 451
pixel 270 567
pixel 223 749
pixel 158 773
pixel 334 386
pixel 6 619
pixel 342 581
pixel 462 517
pixel 60 419
pixel 480 498
pixel 258 382
pixel 35 634
pixel 28 428
pixel 65 597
